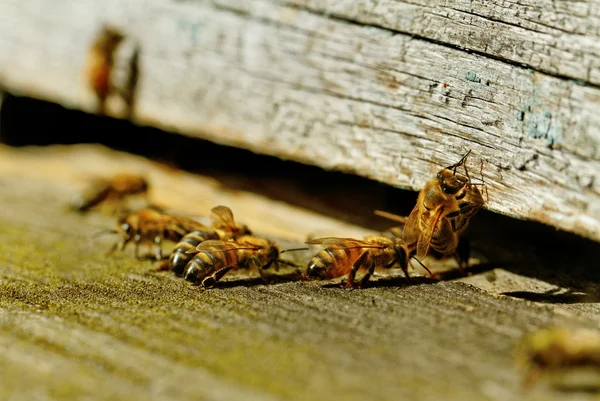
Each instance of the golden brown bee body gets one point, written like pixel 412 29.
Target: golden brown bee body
pixel 442 213
pixel 113 190
pixel 223 227
pixel 214 258
pixel 100 62
pixel 557 349
pixel 153 226
pixel 343 256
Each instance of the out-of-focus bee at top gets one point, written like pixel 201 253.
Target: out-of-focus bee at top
pixel 111 192
pixel 223 227
pixel 151 226
pixel 343 256
pixel 214 258
pixel 557 350
pixel 442 213
pixel 99 63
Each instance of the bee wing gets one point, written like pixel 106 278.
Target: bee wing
pixel 427 233
pixel 343 242
pixel 219 246
pixel 222 216
pixel 410 232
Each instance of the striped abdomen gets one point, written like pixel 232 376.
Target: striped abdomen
pixel 332 262
pixel 179 258
pixel 205 263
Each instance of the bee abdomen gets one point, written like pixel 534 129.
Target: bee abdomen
pixel 179 258
pixel 323 264
pixel 201 266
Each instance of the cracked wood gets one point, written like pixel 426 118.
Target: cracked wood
pixel 388 94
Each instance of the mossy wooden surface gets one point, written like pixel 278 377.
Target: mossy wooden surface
pixel 389 90
pixel 76 324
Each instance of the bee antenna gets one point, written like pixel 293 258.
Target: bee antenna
pixel 460 162
pixel 294 249
pixel 390 216
pixel 104 232
pixel 421 263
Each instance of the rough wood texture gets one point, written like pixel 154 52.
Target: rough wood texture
pixel 76 324
pixel 388 90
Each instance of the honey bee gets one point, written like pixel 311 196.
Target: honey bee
pixel 152 226
pixel 99 63
pixel 113 190
pixel 343 256
pixel 556 349
pixel 442 213
pixel 223 227
pixel 214 258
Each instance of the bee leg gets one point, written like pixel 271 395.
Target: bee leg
pixel 158 252
pixel 531 377
pixel 359 262
pixel 261 271
pixel 211 280
pixel 164 265
pixel 118 246
pixel 367 276
pixel 137 239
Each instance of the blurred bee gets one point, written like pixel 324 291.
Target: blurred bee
pixel 555 349
pixel 152 226
pixel 130 91
pixel 442 213
pixel 113 190
pixel 223 227
pixel 99 63
pixel 214 258
pixel 343 256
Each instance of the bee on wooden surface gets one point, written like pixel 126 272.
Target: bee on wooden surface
pixel 113 190
pixel 343 256
pixel 99 63
pixel 214 258
pixel 557 349
pixel 223 227
pixel 152 226
pixel 443 210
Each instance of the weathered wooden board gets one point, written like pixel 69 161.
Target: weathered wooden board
pixel 324 83
pixel 75 324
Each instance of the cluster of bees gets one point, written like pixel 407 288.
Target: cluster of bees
pixel 204 254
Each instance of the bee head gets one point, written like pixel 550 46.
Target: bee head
pixel 450 182
pixel 400 254
pixel 272 252
pixel 127 230
pixel 243 229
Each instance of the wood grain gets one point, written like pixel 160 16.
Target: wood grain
pixel 77 324
pixel 339 85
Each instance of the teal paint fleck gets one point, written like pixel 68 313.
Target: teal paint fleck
pixel 471 76
pixel 191 29
pixel 541 125
pixel 555 135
